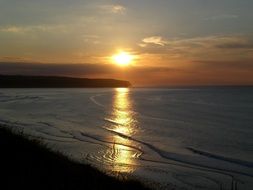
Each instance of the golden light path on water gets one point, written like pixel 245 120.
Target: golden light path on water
pixel 123 156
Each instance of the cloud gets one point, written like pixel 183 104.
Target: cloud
pixel 26 68
pixel 225 42
pixel 71 69
pixel 215 41
pixel 13 59
pixel 12 29
pixel 142 45
pixel 157 40
pixel 212 43
pixel 94 39
pixel 184 50
pixel 222 17
pixel 115 9
pixel 118 9
pixel 240 44
pixel 246 65
pixel 31 28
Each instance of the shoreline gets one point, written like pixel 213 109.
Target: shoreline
pixel 27 164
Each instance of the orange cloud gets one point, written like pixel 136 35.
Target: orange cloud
pixel 157 40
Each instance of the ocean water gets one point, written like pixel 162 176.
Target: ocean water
pixel 195 138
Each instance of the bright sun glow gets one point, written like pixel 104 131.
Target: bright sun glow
pixel 122 58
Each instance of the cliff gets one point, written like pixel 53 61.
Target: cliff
pixel 16 81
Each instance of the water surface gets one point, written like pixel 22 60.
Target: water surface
pixel 196 138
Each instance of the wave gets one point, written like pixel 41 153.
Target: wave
pixel 93 99
pixel 170 156
pixel 113 122
pixel 219 157
pixel 18 98
pixel 110 142
pixel 182 158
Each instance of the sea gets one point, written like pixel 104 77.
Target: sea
pixel 168 138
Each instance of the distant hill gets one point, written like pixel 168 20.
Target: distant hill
pixel 16 81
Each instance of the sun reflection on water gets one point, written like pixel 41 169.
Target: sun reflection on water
pixel 122 154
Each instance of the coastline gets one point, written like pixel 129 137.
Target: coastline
pixel 27 164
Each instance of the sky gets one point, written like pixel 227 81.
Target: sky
pixel 174 42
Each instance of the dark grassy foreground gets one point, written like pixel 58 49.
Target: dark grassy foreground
pixel 25 164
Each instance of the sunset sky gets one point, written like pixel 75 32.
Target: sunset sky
pixel 172 42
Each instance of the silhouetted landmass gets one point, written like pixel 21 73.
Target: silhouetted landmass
pixel 15 81
pixel 26 164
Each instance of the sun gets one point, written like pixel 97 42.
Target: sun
pixel 122 58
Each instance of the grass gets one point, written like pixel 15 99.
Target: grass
pixel 26 164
